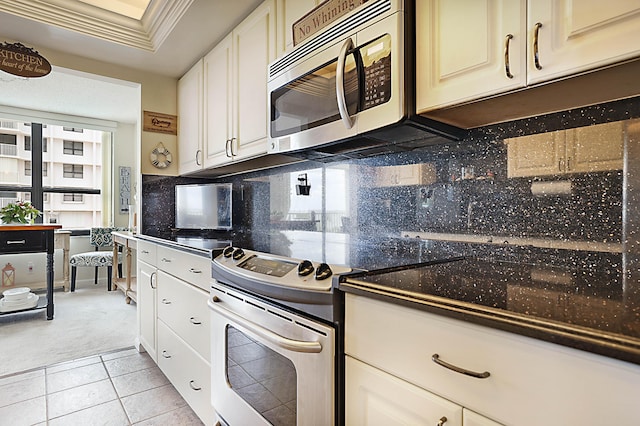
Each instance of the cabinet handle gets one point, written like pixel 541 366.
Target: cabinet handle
pixel 166 302
pixel 233 154
pixel 152 279
pixel 568 163
pixel 507 69
pixel 198 162
pixel 144 252
pixel 195 388
pixel 227 149
pixel 437 360
pixel 195 271
pixel 536 53
pixel 442 421
pixel 164 259
pixel 17 242
pixel 165 354
pixel 194 322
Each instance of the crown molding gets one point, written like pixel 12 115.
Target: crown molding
pixel 149 33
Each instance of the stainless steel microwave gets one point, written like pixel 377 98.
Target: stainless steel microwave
pixel 353 79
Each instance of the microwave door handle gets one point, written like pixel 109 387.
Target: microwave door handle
pixel 340 95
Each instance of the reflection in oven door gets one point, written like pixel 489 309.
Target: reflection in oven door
pixel 269 366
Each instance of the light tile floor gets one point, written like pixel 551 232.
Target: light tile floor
pixel 117 388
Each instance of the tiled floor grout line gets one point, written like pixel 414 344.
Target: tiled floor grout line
pixel 116 391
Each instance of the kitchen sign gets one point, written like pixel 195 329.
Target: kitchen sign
pixel 323 15
pixel 23 61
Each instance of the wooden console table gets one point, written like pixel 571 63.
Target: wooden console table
pixel 127 285
pixel 38 238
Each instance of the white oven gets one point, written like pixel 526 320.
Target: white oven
pixel 269 365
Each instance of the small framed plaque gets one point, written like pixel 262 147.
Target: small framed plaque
pixel 160 123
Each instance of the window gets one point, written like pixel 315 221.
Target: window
pixel 45 196
pixel 73 129
pixel 45 170
pixel 73 198
pixel 73 148
pixel 27 144
pixel 74 171
pixel 8 139
pixel 27 168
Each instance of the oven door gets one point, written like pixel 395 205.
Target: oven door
pixel 269 366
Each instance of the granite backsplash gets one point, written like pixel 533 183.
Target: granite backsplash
pixel 468 193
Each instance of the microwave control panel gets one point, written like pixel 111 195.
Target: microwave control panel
pixel 376 59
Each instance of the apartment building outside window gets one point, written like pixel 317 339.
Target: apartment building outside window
pixel 66 182
pixel 73 148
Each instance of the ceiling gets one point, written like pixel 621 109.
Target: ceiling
pixel 165 37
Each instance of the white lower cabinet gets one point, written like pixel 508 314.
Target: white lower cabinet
pixel 174 323
pixel 530 382
pixel 187 371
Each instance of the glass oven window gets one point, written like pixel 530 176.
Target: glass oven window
pixel 310 101
pixel 266 380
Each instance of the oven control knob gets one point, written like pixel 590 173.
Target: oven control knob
pixel 228 250
pixel 238 254
pixel 305 268
pixel 323 272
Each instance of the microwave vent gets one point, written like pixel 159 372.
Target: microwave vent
pixel 361 16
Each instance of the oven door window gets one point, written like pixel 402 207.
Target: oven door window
pixel 310 100
pixel 266 380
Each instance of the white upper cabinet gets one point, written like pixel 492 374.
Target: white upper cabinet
pixel 289 11
pixel 190 120
pixel 472 49
pixel 461 50
pixel 254 47
pixel 579 35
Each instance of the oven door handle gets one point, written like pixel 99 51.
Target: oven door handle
pixel 283 342
pixel 340 95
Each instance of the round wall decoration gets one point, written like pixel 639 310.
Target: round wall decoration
pixel 160 156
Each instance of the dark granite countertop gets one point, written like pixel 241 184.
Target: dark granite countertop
pixel 593 310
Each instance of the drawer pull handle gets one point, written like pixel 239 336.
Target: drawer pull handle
pixel 442 421
pixel 195 388
pixel 166 302
pixel 437 360
pixel 195 271
pixel 194 322
pixel 152 279
pixel 17 242
pixel 164 259
pixel 166 354
pixel 144 251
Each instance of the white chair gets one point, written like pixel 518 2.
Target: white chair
pixel 100 238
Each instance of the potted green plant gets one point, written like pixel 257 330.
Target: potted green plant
pixel 19 212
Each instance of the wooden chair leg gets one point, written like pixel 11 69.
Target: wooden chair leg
pixel 109 272
pixel 74 270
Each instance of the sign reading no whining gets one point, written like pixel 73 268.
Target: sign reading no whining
pixel 17 59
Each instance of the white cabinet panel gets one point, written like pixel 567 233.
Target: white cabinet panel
pixel 191 268
pixel 289 11
pixel 374 397
pixel 190 120
pixel 147 276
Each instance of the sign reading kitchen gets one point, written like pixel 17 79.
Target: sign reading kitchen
pixel 23 61
pixel 323 15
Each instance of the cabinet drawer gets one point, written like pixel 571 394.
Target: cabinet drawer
pixel 374 397
pixel 183 307
pixel 190 267
pixel 572 386
pixel 147 252
pixel 187 371
pixel 23 241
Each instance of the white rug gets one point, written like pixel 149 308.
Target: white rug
pixel 87 322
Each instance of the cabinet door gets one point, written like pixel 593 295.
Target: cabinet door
pixel 217 104
pixel 469 418
pixel 190 120
pixel 595 148
pixel 536 155
pixel 374 397
pixel 289 11
pixel 405 175
pixel 147 278
pixel 254 48
pixel 578 35
pixel 460 50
